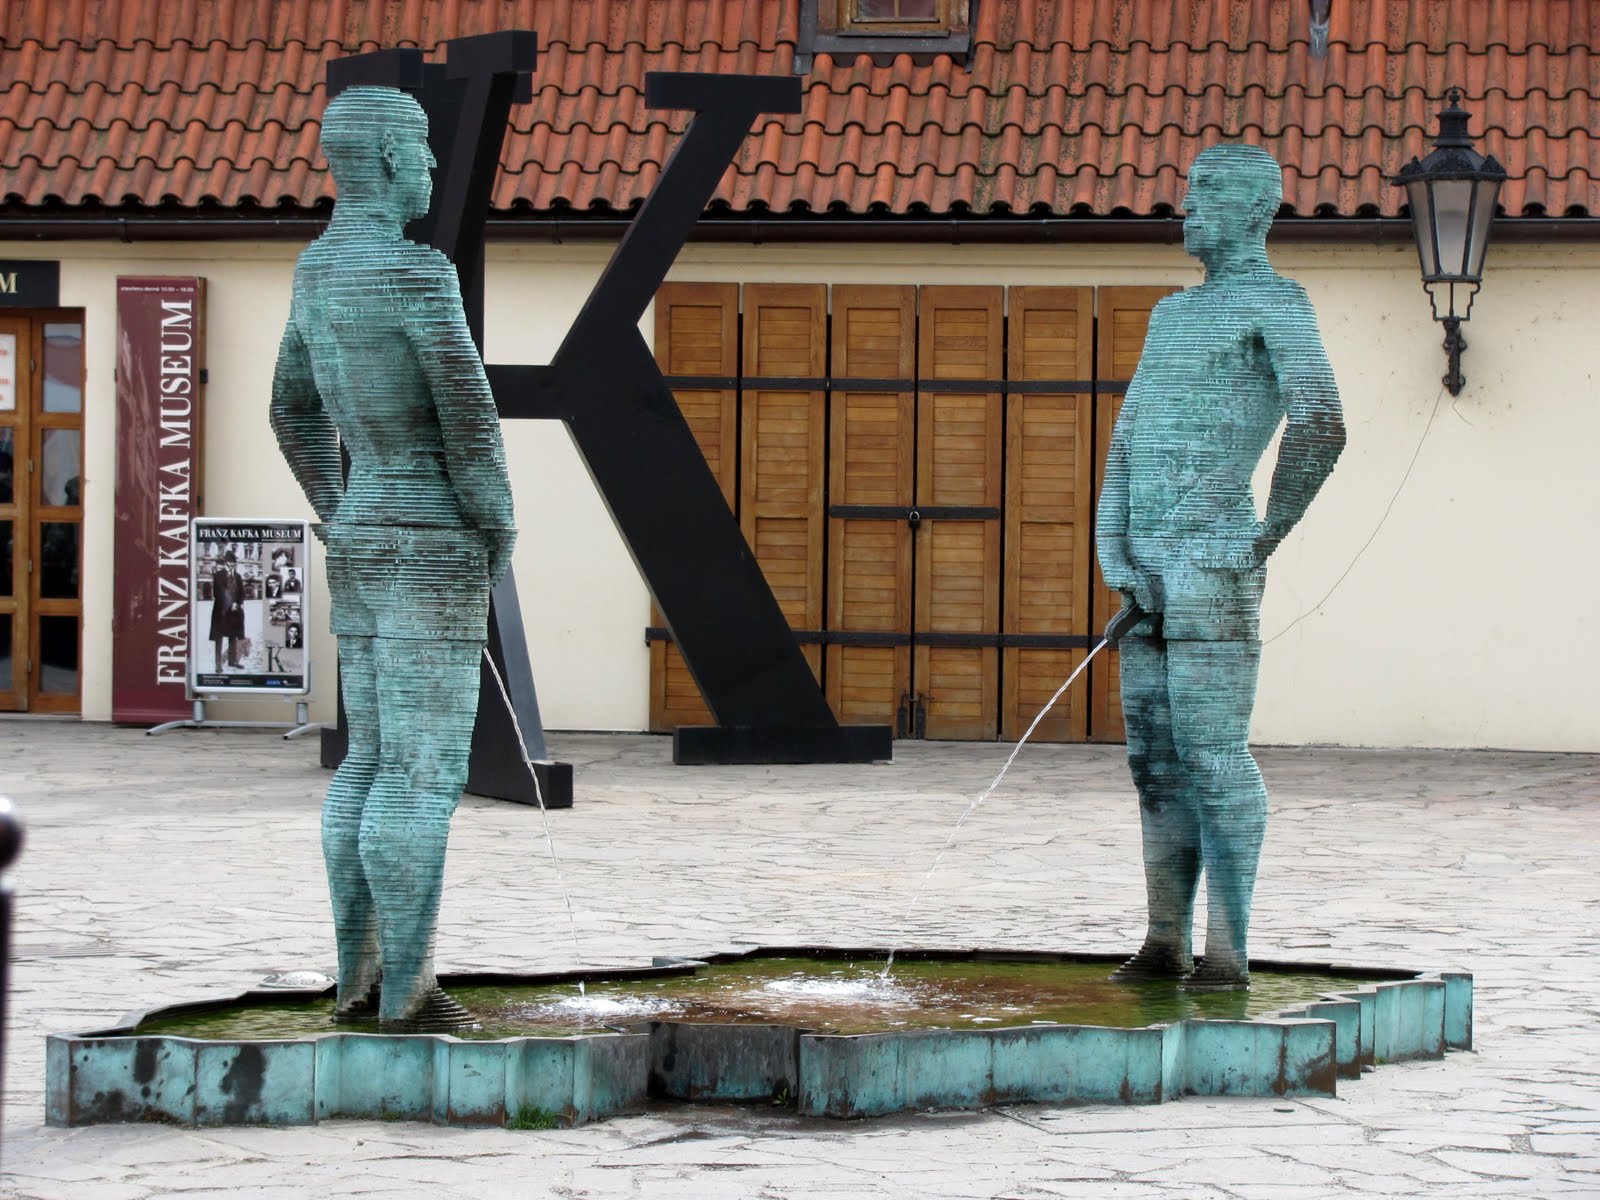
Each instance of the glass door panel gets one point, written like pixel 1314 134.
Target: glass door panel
pixel 16 339
pixel 55 522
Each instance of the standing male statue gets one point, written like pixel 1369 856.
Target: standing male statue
pixel 377 354
pixel 1177 534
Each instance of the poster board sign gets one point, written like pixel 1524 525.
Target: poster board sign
pixel 251 592
pixel 160 383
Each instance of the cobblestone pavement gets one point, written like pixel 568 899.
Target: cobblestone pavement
pixel 185 866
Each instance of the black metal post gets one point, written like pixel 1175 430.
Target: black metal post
pixel 10 846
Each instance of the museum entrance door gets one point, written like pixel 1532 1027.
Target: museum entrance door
pixel 41 510
pixel 915 471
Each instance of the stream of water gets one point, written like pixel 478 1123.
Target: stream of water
pixel 538 794
pixel 877 987
pixel 973 807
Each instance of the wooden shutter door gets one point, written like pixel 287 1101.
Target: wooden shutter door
pixel 872 464
pixel 783 446
pixel 1048 533
pixel 959 447
pixel 1124 319
pixel 696 335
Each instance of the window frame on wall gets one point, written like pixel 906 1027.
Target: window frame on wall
pixel 834 27
pixel 850 19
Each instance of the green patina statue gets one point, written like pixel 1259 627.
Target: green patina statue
pixel 377 355
pixel 1178 535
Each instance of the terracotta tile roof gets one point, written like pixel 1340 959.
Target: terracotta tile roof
pixel 1064 106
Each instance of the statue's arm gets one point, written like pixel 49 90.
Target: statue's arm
pixel 469 423
pixel 305 433
pixel 1314 433
pixel 1111 515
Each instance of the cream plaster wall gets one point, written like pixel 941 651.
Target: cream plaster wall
pixel 1447 610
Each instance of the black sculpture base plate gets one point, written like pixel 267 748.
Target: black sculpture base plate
pixel 513 784
pixel 507 781
pixel 335 740
pixel 714 745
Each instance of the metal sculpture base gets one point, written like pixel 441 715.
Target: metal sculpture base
pixel 714 745
pixel 120 1075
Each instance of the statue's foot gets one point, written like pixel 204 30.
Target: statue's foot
pixel 439 1012
pixel 1154 963
pixel 361 1008
pixel 1217 977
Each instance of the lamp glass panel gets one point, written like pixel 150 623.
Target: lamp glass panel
pixel 1420 198
pixel 1452 202
pixel 1483 205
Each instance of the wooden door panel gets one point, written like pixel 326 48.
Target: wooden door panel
pixel 1049 494
pixel 871 462
pixel 1123 321
pixel 959 455
pixel 782 447
pixel 696 335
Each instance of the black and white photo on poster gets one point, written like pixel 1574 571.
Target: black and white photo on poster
pixel 249 587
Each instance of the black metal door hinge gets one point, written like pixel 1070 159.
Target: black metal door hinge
pixel 911 719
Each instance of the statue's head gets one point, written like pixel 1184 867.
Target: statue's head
pixel 376 142
pixel 1234 192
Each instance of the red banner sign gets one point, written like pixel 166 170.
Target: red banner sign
pixel 160 360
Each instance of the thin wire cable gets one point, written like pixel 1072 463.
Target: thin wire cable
pixel 1415 454
pixel 973 807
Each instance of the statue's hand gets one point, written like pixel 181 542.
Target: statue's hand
pixel 499 543
pixel 1135 587
pixel 1130 615
pixel 1243 551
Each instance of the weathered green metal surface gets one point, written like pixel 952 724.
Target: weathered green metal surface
pixel 1177 534
pixel 377 358
pixel 109 1077
pixel 723 1062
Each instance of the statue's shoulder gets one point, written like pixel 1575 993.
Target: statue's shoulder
pixel 425 260
pixel 1280 289
pixel 1169 304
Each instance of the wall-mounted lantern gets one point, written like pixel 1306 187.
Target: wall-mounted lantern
pixel 1452 194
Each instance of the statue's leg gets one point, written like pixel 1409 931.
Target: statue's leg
pixel 428 700
pixel 355 926
pixel 1213 692
pixel 1166 814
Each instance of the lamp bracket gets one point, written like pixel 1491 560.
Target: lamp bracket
pixel 1454 343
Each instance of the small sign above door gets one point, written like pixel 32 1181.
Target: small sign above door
pixel 29 283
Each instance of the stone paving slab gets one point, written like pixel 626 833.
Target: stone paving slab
pixel 171 868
